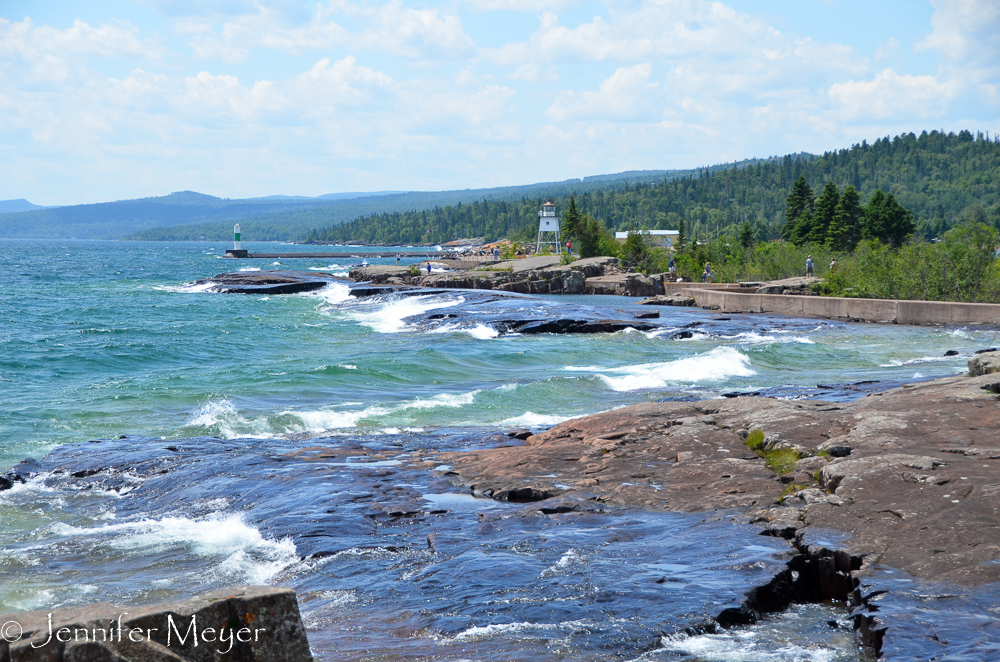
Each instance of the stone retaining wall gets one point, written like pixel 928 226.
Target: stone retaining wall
pixel 884 311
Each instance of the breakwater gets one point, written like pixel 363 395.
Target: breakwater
pixel 884 311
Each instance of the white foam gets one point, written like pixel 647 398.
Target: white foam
pixel 480 633
pixel 187 288
pixel 716 365
pixel 895 363
pixel 390 317
pixel 221 417
pixel 333 293
pixel 480 331
pixel 250 269
pixel 329 268
pixel 249 557
pixel 530 419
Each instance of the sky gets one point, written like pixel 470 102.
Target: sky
pixel 118 99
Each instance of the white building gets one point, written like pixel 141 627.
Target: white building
pixel 661 238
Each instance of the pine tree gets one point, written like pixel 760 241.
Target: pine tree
pixel 845 230
pixel 571 221
pixel 823 214
pixel 680 234
pixel 799 201
pixel 746 235
pixel 899 222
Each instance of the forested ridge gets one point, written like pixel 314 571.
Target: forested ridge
pixel 941 178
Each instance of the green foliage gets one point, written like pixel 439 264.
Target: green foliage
pixel 638 251
pixel 571 221
pixel 755 440
pixel 961 267
pixel 790 489
pixel 566 258
pixel 781 460
pixel 414 270
pixel 936 176
pixel 746 235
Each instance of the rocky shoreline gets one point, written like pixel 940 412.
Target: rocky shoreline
pixel 908 474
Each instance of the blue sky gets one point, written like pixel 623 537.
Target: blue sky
pixel 115 99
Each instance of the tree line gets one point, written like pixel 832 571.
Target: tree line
pixel 941 178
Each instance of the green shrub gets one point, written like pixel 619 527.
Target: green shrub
pixel 755 440
pixel 781 460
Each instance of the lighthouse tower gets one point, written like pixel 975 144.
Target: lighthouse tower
pixel 548 228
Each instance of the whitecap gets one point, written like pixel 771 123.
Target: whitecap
pixel 187 288
pixel 332 293
pixel 530 419
pixel 249 557
pixel 716 365
pixel 250 269
pixel 480 331
pixel 390 317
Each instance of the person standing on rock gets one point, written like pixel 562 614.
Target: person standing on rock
pixel 708 273
pixel 397 259
pixel 809 266
pixel 673 269
pixel 428 268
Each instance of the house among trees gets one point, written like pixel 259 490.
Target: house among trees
pixel 659 238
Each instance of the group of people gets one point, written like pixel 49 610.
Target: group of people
pixel 810 266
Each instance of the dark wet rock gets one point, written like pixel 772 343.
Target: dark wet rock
pixel 681 335
pixel 268 282
pixel 5 483
pixel 650 315
pixel 259 624
pixel 521 434
pixel 529 327
pixel 911 473
pixel 26 468
pixel 951 352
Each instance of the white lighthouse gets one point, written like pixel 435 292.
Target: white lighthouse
pixel 548 228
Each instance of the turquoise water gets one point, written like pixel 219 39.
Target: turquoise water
pixel 106 339
pixel 100 339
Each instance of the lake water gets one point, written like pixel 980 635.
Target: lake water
pixel 204 403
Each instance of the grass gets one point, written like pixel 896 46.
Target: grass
pixel 779 460
pixel 791 489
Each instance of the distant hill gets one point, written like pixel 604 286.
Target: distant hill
pixel 10 206
pixel 296 224
pixel 113 220
pixel 942 178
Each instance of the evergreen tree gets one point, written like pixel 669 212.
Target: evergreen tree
pixel 886 220
pixel 845 230
pixel 823 214
pixel 571 221
pixel 746 235
pixel 798 223
pixel 680 234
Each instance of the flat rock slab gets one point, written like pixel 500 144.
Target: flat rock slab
pixel 269 282
pixel 237 624
pixel 911 474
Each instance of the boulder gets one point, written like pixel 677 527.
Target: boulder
pixel 236 624
pixel 668 300
pixel 984 364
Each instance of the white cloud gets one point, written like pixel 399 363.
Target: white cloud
pixel 391 28
pixel 891 95
pixel 32 43
pixel 623 95
pixel 966 31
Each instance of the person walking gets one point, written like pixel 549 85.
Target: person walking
pixel 833 263
pixel 809 266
